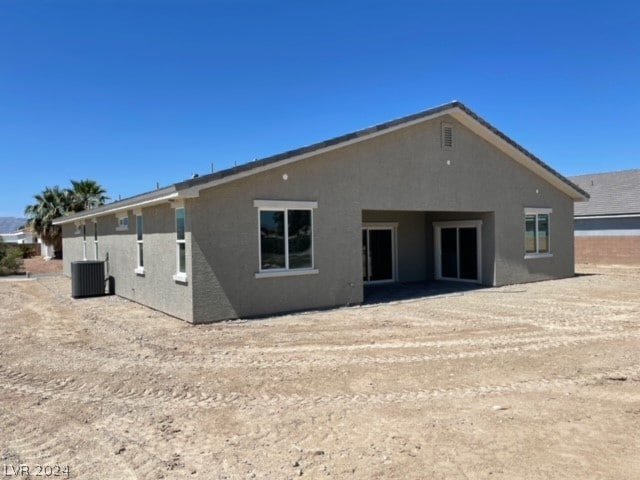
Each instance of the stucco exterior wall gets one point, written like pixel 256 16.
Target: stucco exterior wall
pixel 406 170
pixel 156 288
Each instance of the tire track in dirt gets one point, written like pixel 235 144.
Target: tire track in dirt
pixel 22 434
pixel 174 398
pixel 124 369
pixel 324 355
pixel 36 445
pixel 123 391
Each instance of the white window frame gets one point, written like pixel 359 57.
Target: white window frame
pixel 536 212
pixel 139 270
pixel 457 224
pixel 393 226
pixel 285 206
pixel 179 276
pixel 84 241
pixel 122 227
pixel 95 239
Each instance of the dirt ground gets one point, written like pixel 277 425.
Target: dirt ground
pixel 528 381
pixel 38 265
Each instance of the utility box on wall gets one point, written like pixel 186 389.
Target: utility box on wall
pixel 87 279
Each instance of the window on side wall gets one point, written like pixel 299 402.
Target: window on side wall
pixel 181 247
pixel 537 234
pixel 84 242
pixel 95 240
pixel 140 244
pixel 123 223
pixel 286 238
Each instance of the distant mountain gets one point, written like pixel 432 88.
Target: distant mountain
pixel 11 224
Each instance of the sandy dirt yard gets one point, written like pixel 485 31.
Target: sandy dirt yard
pixel 528 381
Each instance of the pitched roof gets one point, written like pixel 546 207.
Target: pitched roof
pixel 612 193
pixel 191 187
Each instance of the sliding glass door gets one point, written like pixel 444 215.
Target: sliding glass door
pixel 457 250
pixel 378 254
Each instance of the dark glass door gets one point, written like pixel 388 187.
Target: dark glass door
pixel 449 249
pixel 468 247
pixel 459 253
pixel 377 254
pixel 380 255
pixel 365 255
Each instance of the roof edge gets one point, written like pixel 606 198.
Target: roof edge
pixel 290 156
pixel 191 187
pixel 606 215
pixel 313 149
pixel 116 207
pixel 581 196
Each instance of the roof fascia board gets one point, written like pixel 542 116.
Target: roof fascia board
pixel 194 191
pixel 619 215
pixel 455 111
pixel 481 130
pixel 115 209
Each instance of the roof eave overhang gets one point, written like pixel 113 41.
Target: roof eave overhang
pixel 115 208
pixel 194 191
pixel 458 112
pixel 616 215
pixel 508 147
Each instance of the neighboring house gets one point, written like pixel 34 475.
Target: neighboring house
pixel 15 230
pixel 607 227
pixel 10 230
pixel 440 194
pixel 19 237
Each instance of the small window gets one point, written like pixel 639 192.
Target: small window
pixel 537 232
pixel 84 242
pixel 181 246
pixel 140 243
pixel 447 136
pixel 123 223
pixel 95 240
pixel 286 238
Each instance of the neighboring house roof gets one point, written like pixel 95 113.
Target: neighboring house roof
pixel 11 224
pixel 612 193
pixel 190 188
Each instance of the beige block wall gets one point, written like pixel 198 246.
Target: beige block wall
pixel 608 250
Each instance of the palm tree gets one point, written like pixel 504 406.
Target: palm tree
pixel 51 203
pixel 86 194
pixel 54 202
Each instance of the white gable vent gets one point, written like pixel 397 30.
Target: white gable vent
pixel 446 136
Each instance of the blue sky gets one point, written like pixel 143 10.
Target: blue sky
pixel 131 93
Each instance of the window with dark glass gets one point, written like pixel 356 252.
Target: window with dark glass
pixel 181 241
pixel 286 239
pixel 139 237
pixel 536 233
pixel 84 241
pixel 95 240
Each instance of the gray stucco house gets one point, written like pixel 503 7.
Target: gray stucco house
pixel 440 194
pixel 607 227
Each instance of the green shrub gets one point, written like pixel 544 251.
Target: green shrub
pixel 10 260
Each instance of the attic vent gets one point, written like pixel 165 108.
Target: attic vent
pixel 447 136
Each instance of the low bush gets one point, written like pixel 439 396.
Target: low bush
pixel 10 259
